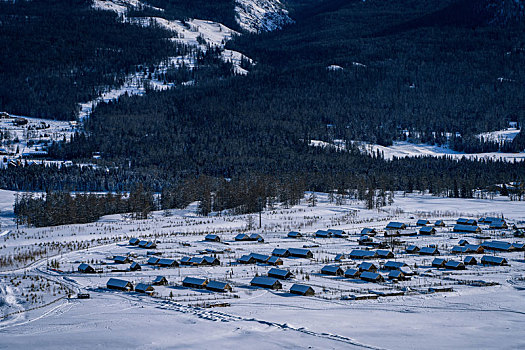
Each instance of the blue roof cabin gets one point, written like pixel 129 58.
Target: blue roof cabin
pixel 284 253
pixel 279 273
pixel 323 234
pixel 167 263
pixel 275 260
pixel 368 231
pixel 464 221
pixel 85 268
pixel 210 260
pixel 362 254
pixel 493 260
pixel 454 265
pixel 371 277
pixel 119 259
pixel 498 225
pixel 246 259
pixel 134 241
pixel 384 254
pixel 438 262
pixel 212 238
pixel 300 253
pixel 422 222
pixel 427 230
pixel 393 265
pixel 337 233
pixel 185 260
pixel 396 226
pixel 242 237
pixel 160 281
pixel 301 289
pixel 397 275
pixel 470 260
pixel 266 282
pixel 491 219
pixel 367 266
pixel 352 273
pixel 218 286
pixel 260 258
pixel 256 237
pixel 135 267
pixel 144 288
pixel 462 242
pixel 294 234
pixel 498 246
pixel 192 282
pixel 428 251
pixel 439 223
pixel 466 228
pixel 153 260
pixel 142 244
pixel 412 249
pixel 332 270
pixel 118 284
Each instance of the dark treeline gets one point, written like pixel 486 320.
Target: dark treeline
pixel 57 53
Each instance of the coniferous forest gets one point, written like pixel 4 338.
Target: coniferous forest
pixel 431 72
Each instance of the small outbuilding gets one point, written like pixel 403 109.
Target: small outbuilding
pixel 294 234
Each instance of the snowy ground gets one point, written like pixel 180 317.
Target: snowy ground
pixel 468 317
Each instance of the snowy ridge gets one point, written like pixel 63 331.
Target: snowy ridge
pixel 261 15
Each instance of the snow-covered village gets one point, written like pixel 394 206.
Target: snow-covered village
pixel 263 174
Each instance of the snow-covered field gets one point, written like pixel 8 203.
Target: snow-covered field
pixel 175 316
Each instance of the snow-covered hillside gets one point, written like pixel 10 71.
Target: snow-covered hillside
pixel 261 15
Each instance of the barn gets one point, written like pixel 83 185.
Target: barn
pixel 192 282
pixel 428 251
pixel 218 286
pixel 115 283
pixel 372 277
pixel 284 253
pixel 332 270
pixel 352 273
pixel 300 253
pixel 266 282
pixel 294 234
pixel 135 267
pixel 279 273
pixel 144 288
pixel 493 260
pixel 160 281
pixel 212 238
pixel 301 289
pixel 396 226
pixel 427 230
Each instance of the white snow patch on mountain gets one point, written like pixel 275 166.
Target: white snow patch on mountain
pixel 261 15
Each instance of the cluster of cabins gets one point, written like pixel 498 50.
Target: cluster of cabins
pixel 368 271
pixel 126 286
pixel 275 258
pixel 142 244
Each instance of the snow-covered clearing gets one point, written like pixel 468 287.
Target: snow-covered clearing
pixel 506 135
pixel 174 317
